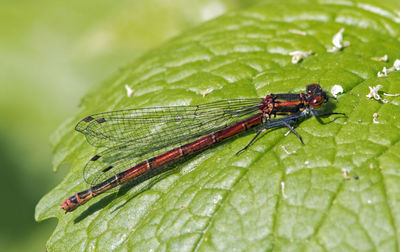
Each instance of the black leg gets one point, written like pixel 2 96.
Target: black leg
pixel 293 131
pixel 252 140
pixel 282 122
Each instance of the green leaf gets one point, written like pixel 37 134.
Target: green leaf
pixel 279 194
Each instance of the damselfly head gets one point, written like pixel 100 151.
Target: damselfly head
pixel 316 96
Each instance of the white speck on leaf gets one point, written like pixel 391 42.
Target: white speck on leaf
pixel 396 64
pixel 286 151
pixel 338 43
pixel 373 93
pixel 207 91
pixel 345 173
pixel 384 58
pixel 129 91
pixel 386 71
pixel 383 74
pixel 283 189
pixel 294 31
pixel 386 94
pixel 336 89
pixel 297 56
pixel 338 39
pixel 374 117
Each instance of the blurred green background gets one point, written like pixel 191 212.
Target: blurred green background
pixel 51 53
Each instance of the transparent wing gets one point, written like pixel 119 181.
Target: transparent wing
pixel 159 124
pixel 132 134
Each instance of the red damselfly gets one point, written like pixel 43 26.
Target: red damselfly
pixel 145 140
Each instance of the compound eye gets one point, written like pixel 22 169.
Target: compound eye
pixel 316 102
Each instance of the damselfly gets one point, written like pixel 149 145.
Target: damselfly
pixel 142 141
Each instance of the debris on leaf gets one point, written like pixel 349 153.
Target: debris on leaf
pixel 384 58
pixel 336 89
pixel 345 173
pixel 386 94
pixel 286 151
pixel 396 64
pixel 207 91
pixel 297 56
pixel 129 91
pixel 338 43
pixel 283 189
pixel 373 93
pixel 374 116
pixel 385 72
pixel 338 39
pixel 294 31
